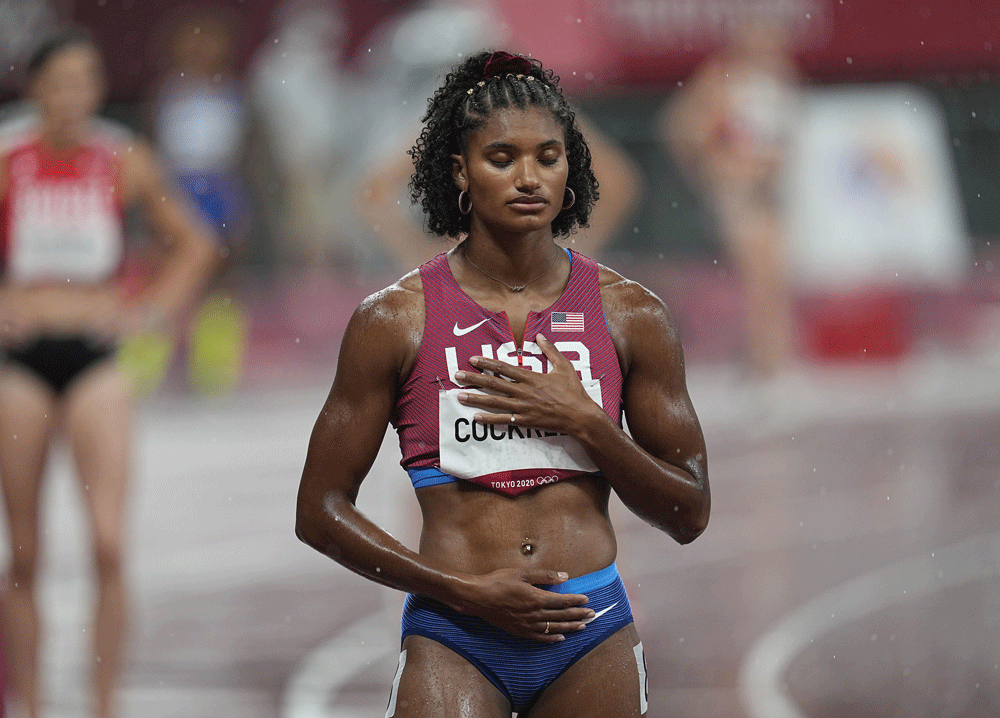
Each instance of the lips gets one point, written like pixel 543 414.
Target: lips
pixel 529 201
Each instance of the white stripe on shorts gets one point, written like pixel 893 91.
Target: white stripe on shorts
pixel 390 711
pixel 640 663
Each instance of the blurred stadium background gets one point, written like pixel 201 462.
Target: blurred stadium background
pixel 850 569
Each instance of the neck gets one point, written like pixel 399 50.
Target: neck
pixel 62 138
pixel 511 258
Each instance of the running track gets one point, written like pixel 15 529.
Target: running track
pixel 850 568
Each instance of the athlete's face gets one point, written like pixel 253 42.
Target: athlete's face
pixel 68 87
pixel 515 170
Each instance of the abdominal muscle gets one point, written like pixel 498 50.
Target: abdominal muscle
pixel 561 527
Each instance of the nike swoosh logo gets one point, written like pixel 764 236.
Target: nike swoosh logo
pixel 598 614
pixel 460 332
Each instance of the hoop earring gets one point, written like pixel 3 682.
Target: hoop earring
pixel 572 198
pixel 461 209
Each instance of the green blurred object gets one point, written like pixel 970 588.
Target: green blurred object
pixel 144 359
pixel 218 342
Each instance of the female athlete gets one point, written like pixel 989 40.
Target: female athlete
pixel 65 180
pixel 504 366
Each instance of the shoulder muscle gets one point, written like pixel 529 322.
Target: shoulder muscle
pixel 383 335
pixel 639 320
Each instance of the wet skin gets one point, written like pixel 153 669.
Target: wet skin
pixel 481 551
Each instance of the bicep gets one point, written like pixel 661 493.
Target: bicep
pixel 659 411
pixel 351 426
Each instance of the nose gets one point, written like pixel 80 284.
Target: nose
pixel 527 178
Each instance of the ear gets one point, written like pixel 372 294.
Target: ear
pixel 458 172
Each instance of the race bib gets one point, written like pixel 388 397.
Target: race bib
pixel 469 449
pixel 64 232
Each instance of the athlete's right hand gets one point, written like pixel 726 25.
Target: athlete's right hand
pixel 508 600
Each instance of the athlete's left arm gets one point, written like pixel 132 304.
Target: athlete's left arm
pixel 192 250
pixel 661 472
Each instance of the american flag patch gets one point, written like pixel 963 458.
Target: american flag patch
pixel 567 321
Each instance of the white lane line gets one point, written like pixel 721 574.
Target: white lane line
pixel 762 674
pixel 318 677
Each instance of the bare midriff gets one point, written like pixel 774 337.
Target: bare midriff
pixel 59 308
pixel 561 527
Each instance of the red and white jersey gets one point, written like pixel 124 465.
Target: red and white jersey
pixel 62 217
pixel 436 431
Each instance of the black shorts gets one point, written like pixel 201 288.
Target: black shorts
pixel 59 360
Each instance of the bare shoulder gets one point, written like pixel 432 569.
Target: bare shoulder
pixel 396 304
pixel 626 301
pixel 390 322
pixel 637 318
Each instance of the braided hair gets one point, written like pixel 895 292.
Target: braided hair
pixel 462 105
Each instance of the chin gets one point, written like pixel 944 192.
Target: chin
pixel 528 224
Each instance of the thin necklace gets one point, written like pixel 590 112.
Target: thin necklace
pixel 514 287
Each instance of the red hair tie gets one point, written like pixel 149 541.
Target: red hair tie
pixel 503 63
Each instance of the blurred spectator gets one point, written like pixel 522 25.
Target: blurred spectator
pixel 66 179
pixel 303 98
pixel 729 129
pixel 200 125
pixel 200 121
pixel 408 58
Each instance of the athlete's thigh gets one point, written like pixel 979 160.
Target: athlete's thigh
pixel 608 682
pixel 97 414
pixel 27 419
pixel 434 681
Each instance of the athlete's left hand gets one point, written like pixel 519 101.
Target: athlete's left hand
pixel 554 401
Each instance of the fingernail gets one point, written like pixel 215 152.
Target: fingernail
pixel 581 626
pixel 463 397
pixel 563 575
pixel 591 614
pixel 479 418
pixel 460 376
pixel 560 637
pixel 474 361
pixel 541 336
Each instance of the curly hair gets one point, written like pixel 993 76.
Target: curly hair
pixel 453 113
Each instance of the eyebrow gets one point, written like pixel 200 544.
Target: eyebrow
pixel 509 146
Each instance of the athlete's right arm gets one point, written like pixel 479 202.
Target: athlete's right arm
pixel 15 320
pixel 377 352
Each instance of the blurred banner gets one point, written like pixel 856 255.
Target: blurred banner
pixel 872 196
pixel 607 42
pixel 651 41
